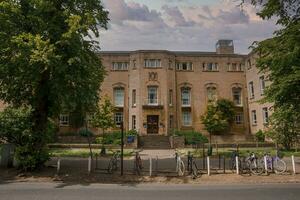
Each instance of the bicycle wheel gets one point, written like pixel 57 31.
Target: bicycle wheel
pixel 279 166
pixel 181 168
pixel 110 167
pixel 257 167
pixel 195 172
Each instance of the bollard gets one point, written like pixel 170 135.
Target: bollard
pixel 208 166
pixel 156 165
pixel 96 167
pixel 150 166
pixel 266 164
pixel 58 166
pixel 219 161
pixel 237 165
pixel 224 164
pixel 293 163
pixel 89 164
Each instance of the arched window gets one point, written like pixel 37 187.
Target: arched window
pixel 186 96
pixel 237 96
pixel 119 96
pixel 211 93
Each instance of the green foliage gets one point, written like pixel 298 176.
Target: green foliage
pixel 285 127
pixel 280 57
pixel 218 116
pixel 112 138
pixel 99 140
pixel 46 60
pixel 85 133
pixel 52 131
pixel 16 128
pixel 260 136
pixel 131 133
pixel 192 137
pixel 104 115
pixel 286 11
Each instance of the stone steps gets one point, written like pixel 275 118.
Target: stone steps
pixel 154 142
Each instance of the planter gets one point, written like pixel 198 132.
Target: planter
pixel 130 139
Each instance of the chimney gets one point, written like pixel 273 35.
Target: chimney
pixel 225 47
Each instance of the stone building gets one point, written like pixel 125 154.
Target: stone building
pixel 257 81
pixel 156 91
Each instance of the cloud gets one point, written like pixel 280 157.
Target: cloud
pixel 176 17
pixel 121 11
pixel 179 27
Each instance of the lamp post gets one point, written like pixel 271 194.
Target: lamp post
pixel 122 146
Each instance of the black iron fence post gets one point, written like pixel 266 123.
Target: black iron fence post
pixel 122 148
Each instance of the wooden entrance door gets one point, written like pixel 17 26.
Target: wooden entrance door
pixel 152 124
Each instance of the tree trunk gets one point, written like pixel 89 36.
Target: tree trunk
pixel 40 118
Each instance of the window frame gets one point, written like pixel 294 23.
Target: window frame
pixel 133 122
pixel 189 99
pixel 115 96
pixel 239 119
pixel 208 96
pixel 120 66
pixel 133 102
pixel 235 89
pixel 262 84
pixel 116 118
pixel 251 90
pixel 266 115
pixel 155 102
pixel 64 119
pixel 152 63
pixel 253 117
pixel 170 97
pixel 184 117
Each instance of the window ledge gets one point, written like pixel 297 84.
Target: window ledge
pixel 123 70
pixel 184 70
pixel 210 70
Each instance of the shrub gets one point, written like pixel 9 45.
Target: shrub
pixel 112 138
pixel 192 137
pixel 99 140
pixel 85 132
pixel 260 136
pixel 131 133
pixel 16 127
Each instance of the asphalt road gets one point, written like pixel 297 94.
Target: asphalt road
pixel 47 191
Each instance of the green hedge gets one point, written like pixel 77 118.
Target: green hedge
pixel 192 137
pixel 114 137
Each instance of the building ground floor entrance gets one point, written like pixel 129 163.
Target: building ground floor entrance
pixel 152 124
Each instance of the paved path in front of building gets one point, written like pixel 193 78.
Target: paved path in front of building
pixel 160 153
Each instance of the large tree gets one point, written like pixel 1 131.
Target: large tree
pixel 218 117
pixel 280 57
pixel 48 56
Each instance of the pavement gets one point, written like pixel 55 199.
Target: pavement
pixel 51 191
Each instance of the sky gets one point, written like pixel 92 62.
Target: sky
pixel 182 25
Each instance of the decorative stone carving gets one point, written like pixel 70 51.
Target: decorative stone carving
pixel 153 76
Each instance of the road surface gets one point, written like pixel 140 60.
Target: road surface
pixel 61 191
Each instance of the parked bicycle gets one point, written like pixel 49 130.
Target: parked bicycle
pixel 180 168
pixel 138 164
pixel 247 165
pixel 192 166
pixel 113 164
pixel 275 163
